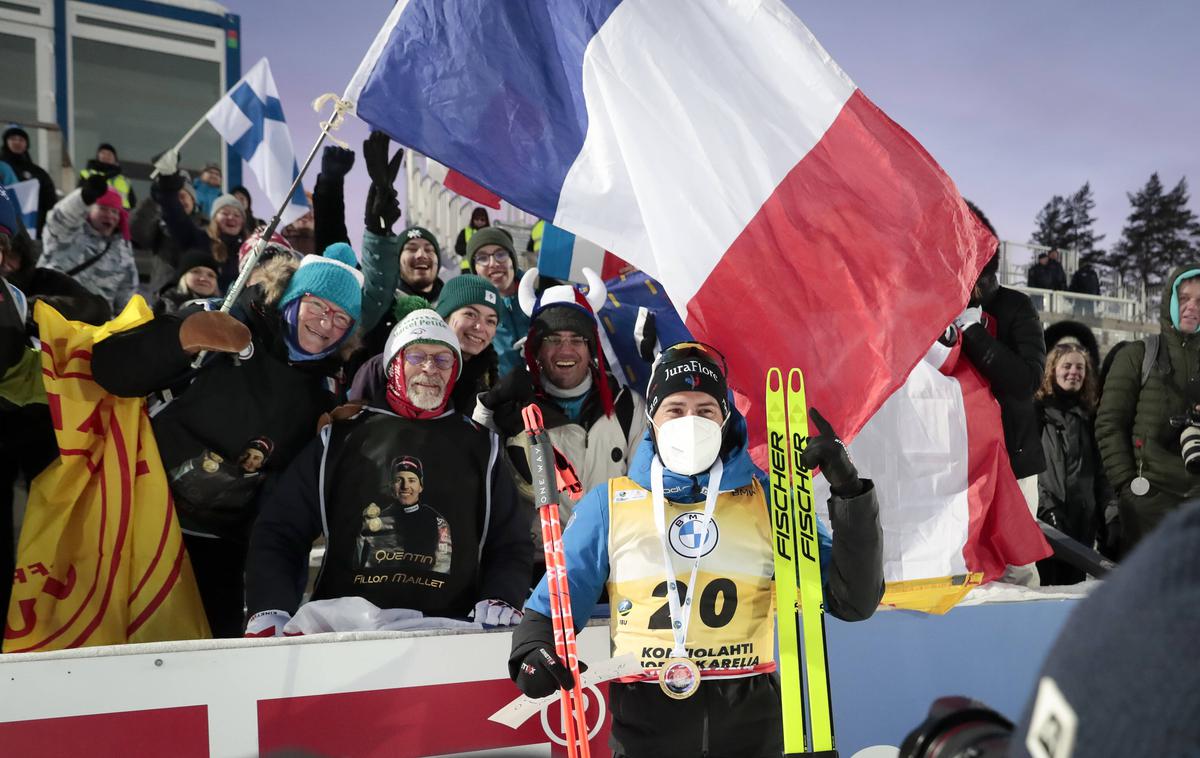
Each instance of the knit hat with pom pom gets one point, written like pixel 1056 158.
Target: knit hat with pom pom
pixel 333 276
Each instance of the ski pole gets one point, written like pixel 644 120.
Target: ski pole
pixel 574 713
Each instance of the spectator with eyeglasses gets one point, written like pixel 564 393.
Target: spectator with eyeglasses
pixel 417 511
pixel 270 371
pixel 493 257
pixel 592 420
pixel 471 306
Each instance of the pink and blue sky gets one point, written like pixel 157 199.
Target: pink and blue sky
pixel 1018 101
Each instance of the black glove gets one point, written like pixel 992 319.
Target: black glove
pixel 383 208
pixel 949 337
pixel 507 399
pixel 541 673
pixel 645 334
pixel 92 188
pixel 336 162
pixel 168 184
pixel 382 211
pixel 826 452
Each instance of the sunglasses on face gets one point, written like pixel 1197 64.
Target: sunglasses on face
pixel 443 361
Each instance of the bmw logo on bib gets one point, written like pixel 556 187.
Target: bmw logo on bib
pixel 686 539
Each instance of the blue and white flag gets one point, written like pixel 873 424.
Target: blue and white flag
pixel 250 118
pixel 564 255
pixel 25 195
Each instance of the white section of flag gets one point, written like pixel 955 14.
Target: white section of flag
pixel 726 137
pixel 26 196
pixel 274 160
pixel 914 450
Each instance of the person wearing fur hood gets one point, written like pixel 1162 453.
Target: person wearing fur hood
pixel 271 370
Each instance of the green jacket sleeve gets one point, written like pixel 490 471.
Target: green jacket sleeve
pixel 1114 420
pixel 381 269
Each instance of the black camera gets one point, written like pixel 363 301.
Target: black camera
pixel 959 727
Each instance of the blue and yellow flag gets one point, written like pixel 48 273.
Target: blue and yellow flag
pixel 101 559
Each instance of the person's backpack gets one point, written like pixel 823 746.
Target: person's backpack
pixel 1154 355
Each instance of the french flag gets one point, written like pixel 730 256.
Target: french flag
pixel 949 504
pixel 716 146
pixel 461 185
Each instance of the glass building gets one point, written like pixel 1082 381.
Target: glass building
pixel 134 73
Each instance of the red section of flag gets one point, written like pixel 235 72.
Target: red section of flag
pixel 850 270
pixel 614 265
pixel 456 182
pixel 409 721
pixel 1001 530
pixel 177 732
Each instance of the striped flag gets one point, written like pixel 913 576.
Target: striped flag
pixel 26 196
pixel 952 513
pixel 461 185
pixel 101 559
pixel 714 145
pixel 250 119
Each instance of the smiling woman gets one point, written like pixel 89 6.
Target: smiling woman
pixel 263 385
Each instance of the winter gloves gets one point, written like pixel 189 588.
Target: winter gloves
pixel 214 331
pixel 506 400
pixel 92 188
pixel 383 207
pixel 826 452
pixel 336 162
pixel 541 673
pixel 494 613
pixel 971 315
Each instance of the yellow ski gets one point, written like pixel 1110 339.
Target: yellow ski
pixel 812 603
pixel 786 566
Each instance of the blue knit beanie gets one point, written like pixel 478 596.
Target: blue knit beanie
pixel 333 276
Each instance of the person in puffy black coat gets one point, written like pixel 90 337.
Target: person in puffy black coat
pixel 1072 491
pixel 225 430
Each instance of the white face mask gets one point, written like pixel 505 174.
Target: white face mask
pixel 688 444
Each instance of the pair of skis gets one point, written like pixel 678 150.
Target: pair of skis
pixel 548 478
pixel 799 599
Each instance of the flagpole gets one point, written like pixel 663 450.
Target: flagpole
pixel 339 109
pixel 183 141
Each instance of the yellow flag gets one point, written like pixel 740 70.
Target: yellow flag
pixel 101 559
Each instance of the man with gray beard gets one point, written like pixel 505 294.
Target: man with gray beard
pixel 416 510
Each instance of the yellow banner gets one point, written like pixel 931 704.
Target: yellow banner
pixel 101 559
pixel 937 595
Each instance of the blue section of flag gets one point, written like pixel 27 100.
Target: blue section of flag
pixel 558 249
pixel 523 89
pixel 257 111
pixel 619 316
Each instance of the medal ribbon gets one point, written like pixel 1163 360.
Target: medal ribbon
pixel 681 613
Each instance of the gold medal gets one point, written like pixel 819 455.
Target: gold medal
pixel 371 511
pixel 210 465
pixel 375 524
pixel 679 678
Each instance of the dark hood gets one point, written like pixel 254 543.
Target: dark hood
pixel 1081 332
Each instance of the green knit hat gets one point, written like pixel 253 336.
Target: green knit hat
pixel 491 235
pixel 467 289
pixel 420 232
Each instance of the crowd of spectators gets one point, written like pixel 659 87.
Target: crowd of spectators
pixel 390 348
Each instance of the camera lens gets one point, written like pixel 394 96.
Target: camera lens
pixel 1189 441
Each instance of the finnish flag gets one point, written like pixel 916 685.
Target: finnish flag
pixel 25 194
pixel 250 118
